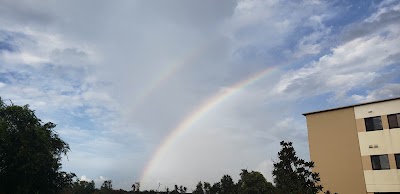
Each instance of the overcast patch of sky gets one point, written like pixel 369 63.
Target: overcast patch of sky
pixel 118 78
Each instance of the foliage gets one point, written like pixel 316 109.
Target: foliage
pixel 199 188
pixel 207 188
pixel 30 153
pixel 136 187
pixel 227 185
pixel 294 175
pixel 254 183
pixel 180 189
pixel 80 187
pixel 107 185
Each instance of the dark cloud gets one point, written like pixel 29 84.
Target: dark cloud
pixel 27 12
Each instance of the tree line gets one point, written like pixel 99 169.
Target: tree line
pixel 31 152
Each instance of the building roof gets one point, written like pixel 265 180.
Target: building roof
pixel 354 105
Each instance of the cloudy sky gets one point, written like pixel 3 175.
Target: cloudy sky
pixel 174 92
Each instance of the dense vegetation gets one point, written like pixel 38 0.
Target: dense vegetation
pixel 30 153
pixel 30 162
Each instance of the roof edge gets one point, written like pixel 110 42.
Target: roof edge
pixel 354 105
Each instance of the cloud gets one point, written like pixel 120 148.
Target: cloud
pixel 387 91
pixel 353 64
pixel 386 17
pixel 266 168
pixel 119 78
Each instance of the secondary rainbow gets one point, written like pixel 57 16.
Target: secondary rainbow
pixel 167 73
pixel 198 113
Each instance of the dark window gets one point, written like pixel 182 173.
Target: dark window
pixel 394 120
pixel 373 123
pixel 397 157
pixel 380 162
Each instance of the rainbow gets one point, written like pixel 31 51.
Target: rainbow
pixel 198 113
pixel 167 73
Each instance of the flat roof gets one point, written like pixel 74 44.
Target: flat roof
pixel 342 107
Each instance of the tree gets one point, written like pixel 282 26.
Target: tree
pixel 216 188
pixel 136 187
pixel 294 175
pixel 107 185
pixel 207 188
pixel 182 189
pixel 82 187
pixel 254 183
pixel 30 153
pixel 199 188
pixel 227 185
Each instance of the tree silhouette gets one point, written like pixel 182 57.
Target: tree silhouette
pixel 199 188
pixel 107 185
pixel 227 185
pixel 294 175
pixel 254 183
pixel 30 153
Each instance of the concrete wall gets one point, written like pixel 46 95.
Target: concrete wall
pixel 334 147
pixel 386 141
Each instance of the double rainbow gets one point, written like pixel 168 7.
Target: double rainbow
pixel 197 114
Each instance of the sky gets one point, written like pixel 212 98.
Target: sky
pixel 176 92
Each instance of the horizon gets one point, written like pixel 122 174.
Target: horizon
pixel 178 92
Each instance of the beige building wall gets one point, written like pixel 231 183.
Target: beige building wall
pixel 334 147
pixel 386 141
pixel 382 180
pixel 375 142
pixel 377 109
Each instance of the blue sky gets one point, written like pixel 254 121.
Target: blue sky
pixel 117 77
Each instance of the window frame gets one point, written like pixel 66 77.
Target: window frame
pixel 397 117
pixel 367 128
pixel 374 167
pixel 397 160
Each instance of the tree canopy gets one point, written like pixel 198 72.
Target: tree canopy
pixel 30 153
pixel 254 183
pixel 294 175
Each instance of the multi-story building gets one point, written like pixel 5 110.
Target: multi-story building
pixel 356 149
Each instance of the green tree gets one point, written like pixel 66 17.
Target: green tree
pixel 83 187
pixel 254 183
pixel 182 189
pixel 106 186
pixel 136 187
pixel 216 188
pixel 293 175
pixel 227 185
pixel 207 188
pixel 199 188
pixel 30 153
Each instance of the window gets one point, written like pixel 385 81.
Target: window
pixel 380 162
pixel 373 123
pixel 394 120
pixel 397 157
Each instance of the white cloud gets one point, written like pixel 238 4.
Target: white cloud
pixel 266 167
pixel 23 58
pixel 353 64
pixel 37 48
pixel 85 178
pixel 387 91
pixel 117 79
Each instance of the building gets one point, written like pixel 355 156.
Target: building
pixel 356 149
